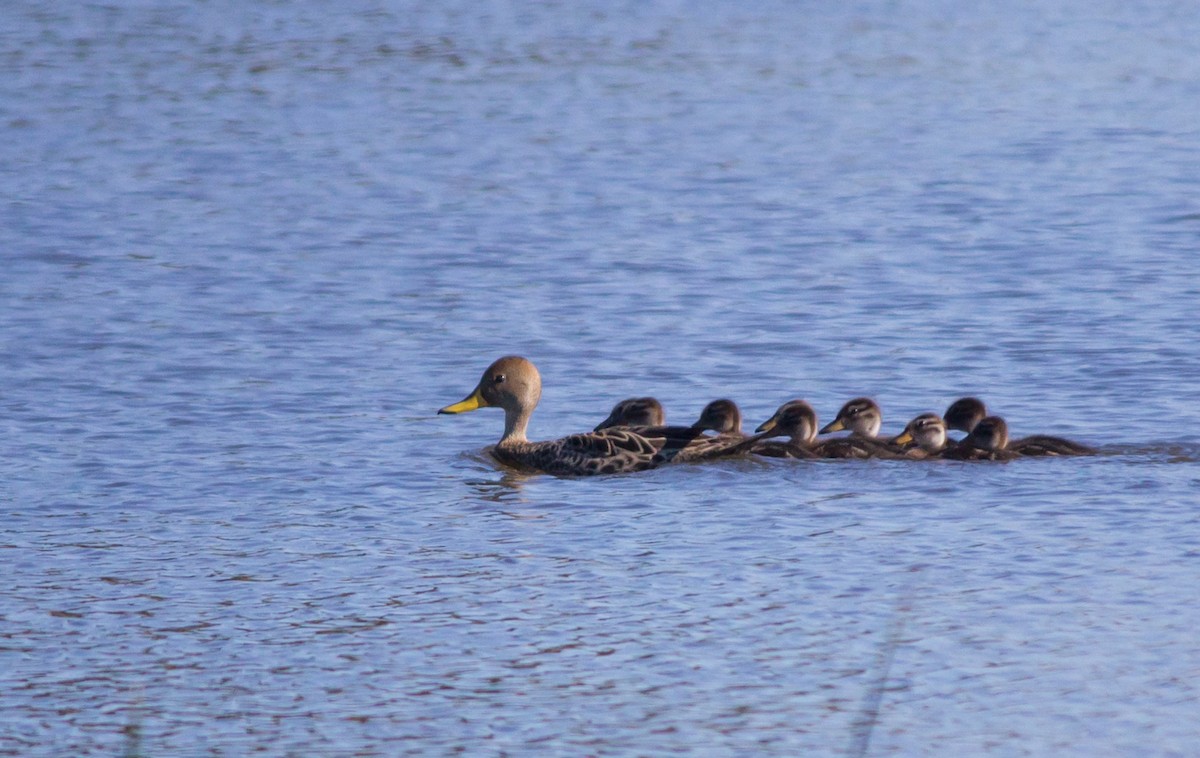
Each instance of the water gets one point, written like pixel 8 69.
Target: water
pixel 249 250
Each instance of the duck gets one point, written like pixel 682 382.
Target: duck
pixel 796 420
pixel 964 413
pixel 513 384
pixel 863 418
pixel 721 416
pixel 987 441
pixel 635 411
pixel 923 437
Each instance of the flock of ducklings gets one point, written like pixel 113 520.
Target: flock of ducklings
pixel 636 437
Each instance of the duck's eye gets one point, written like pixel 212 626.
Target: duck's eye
pixel 498 379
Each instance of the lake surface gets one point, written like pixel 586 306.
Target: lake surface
pixel 248 251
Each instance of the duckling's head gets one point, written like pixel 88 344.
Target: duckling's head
pixel 511 383
pixel 991 433
pixel 927 430
pixel 861 416
pixel 721 416
pixel 795 419
pixel 635 411
pixel 964 413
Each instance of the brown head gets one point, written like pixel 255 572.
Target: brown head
pixel 928 431
pixel 861 416
pixel 795 419
pixel 721 416
pixel 635 411
pixel 964 413
pixel 991 433
pixel 511 383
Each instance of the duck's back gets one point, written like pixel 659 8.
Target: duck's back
pixel 1046 445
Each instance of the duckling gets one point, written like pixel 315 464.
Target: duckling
pixel 988 441
pixel 796 420
pixel 635 411
pixel 721 416
pixel 514 384
pixel 923 437
pixel 863 418
pixel 964 413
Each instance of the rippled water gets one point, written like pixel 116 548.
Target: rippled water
pixel 249 250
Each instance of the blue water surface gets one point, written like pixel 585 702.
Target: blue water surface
pixel 249 249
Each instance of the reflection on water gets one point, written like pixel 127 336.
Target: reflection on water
pixel 249 250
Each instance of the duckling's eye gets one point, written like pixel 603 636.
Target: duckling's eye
pixel 498 379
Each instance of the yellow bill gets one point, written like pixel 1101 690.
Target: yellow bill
pixel 836 425
pixel 903 439
pixel 767 425
pixel 472 402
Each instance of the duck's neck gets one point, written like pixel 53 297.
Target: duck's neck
pixel 869 429
pixel 515 422
pixel 933 443
pixel 805 436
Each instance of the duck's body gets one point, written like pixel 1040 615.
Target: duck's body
pixel 923 437
pixel 613 451
pixel 863 418
pixel 513 383
pixel 987 441
pixel 964 413
pixel 635 411
pixel 1044 444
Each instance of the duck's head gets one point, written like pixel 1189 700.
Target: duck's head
pixel 511 383
pixel 795 419
pixel 861 416
pixel 991 433
pixel 964 413
pixel 927 430
pixel 721 416
pixel 635 411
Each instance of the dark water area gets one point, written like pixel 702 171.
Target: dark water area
pixel 249 250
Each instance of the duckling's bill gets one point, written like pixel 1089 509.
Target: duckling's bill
pixel 472 402
pixel 836 425
pixel 766 426
pixel 904 438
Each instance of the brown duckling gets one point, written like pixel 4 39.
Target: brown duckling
pixel 514 384
pixel 923 437
pixel 635 411
pixel 796 420
pixel 988 441
pixel 721 416
pixel 964 413
pixel 863 418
